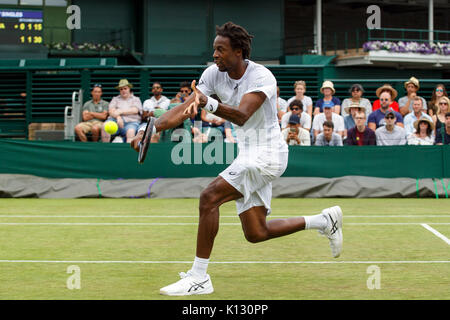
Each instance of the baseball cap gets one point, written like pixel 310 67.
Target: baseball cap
pixel 389 112
pixel 328 104
pixel 294 119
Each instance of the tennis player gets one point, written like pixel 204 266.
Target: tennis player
pixel 248 94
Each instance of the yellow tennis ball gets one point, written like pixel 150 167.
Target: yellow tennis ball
pixel 111 127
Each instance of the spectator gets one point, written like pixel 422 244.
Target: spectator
pixel 417 113
pixel 157 101
pixel 328 115
pixel 438 93
pixel 94 112
pixel 360 135
pixel 356 91
pixel 443 136
pixel 300 89
pixel 443 108
pixel 294 134
pixel 328 137
pixel 126 110
pixel 230 134
pixel 282 104
pixel 185 91
pixel 296 107
pixel 406 102
pixel 377 117
pixel 390 134
pixel 386 88
pixel 328 91
pixel 423 132
pixel 351 110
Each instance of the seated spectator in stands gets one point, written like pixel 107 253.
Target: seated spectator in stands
pixel 296 107
pixel 126 110
pixel 294 134
pixel 377 117
pixel 328 91
pixel 185 91
pixel 157 101
pixel 423 134
pixel 386 88
pixel 390 134
pixel 356 91
pixel 349 119
pixel 361 135
pixel 443 108
pixel 328 115
pixel 282 104
pixel 406 102
pixel 443 135
pixel 230 134
pixel 417 113
pixel 328 137
pixel 437 94
pixel 300 89
pixel 94 113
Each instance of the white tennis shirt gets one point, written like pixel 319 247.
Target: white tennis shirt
pixel 262 129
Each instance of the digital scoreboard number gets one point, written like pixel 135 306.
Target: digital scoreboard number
pixel 21 27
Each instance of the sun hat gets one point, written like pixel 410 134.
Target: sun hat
pixel 430 123
pixel 414 81
pixel 327 84
pixel 387 87
pixel 354 105
pixel 124 83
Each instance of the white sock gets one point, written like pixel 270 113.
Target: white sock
pixel 319 221
pixel 199 267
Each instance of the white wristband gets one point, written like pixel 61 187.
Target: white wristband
pixel 212 105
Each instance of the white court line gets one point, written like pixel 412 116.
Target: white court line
pixel 222 216
pixel 225 262
pixel 436 233
pixel 185 223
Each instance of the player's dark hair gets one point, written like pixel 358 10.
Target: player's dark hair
pixel 239 37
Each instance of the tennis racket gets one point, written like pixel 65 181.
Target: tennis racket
pixel 145 142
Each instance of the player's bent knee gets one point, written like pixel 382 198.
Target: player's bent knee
pixel 255 237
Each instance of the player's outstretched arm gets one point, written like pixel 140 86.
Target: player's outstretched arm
pixel 168 120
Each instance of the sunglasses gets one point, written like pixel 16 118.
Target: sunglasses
pixel 156 87
pixel 390 117
pixel 356 89
pixel 184 91
pixel 439 90
pixel 97 85
pixel 384 99
pixel 296 109
pixel 443 103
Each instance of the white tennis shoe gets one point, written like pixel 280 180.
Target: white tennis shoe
pixel 188 285
pixel 333 231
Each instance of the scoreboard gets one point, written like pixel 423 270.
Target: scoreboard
pixel 21 27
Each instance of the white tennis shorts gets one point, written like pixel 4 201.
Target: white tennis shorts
pixel 252 176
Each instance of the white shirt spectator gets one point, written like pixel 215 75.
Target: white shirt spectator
pixel 303 135
pixel 307 101
pixel 390 138
pixel 305 120
pixel 417 141
pixel 151 104
pixel 282 104
pixel 338 122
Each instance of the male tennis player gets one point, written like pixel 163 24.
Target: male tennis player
pixel 248 94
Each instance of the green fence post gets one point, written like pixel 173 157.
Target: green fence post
pixel 29 100
pixel 145 84
pixel 85 82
